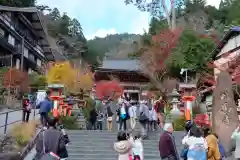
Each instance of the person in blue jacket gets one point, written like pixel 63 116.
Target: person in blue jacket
pixel 44 107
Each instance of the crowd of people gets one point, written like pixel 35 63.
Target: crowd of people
pixel 198 143
pixel 148 114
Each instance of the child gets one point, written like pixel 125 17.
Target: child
pixel 137 147
pixel 100 119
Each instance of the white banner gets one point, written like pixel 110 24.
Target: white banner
pixel 41 95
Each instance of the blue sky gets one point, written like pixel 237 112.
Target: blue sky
pixel 102 17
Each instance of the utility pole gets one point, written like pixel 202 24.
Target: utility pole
pixel 22 55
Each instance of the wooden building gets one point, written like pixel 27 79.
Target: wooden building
pixel 23 39
pixel 127 72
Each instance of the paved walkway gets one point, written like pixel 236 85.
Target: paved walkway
pixel 12 117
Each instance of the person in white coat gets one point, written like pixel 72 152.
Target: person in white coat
pixel 196 143
pixel 132 111
pixel 137 147
pixel 152 119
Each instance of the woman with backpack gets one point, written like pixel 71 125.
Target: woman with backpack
pixel 197 145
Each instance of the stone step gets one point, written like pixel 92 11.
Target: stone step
pixel 103 151
pixel 109 158
pixel 108 155
pixel 106 147
pixel 92 145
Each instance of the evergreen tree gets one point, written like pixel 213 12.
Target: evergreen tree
pixel 55 14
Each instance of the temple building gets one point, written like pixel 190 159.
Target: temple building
pixel 226 58
pixel 127 72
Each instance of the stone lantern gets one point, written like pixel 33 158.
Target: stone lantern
pixel 173 98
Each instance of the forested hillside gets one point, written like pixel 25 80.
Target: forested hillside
pixel 115 46
pixel 66 34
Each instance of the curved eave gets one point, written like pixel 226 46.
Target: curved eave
pixel 232 32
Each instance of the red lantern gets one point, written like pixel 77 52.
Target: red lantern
pixel 202 120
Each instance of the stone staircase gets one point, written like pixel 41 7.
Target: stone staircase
pixel 95 145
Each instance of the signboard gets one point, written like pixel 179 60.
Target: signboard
pixel 41 95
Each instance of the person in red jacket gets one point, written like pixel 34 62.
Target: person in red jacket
pixel 159 108
pixel 26 108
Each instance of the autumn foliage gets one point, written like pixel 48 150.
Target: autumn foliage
pixel 108 89
pixel 74 79
pixel 162 45
pixel 16 78
pixel 62 73
pixel 154 56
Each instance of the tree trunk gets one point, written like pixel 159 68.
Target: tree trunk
pixel 173 25
pixel 224 114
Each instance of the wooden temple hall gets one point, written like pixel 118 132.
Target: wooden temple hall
pixel 127 72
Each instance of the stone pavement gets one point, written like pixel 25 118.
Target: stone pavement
pixel 12 117
pixel 93 145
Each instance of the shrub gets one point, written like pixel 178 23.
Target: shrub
pixel 86 109
pixel 23 133
pixel 69 122
pixel 179 124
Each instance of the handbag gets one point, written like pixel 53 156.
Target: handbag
pixel 184 152
pixel 50 155
pixel 143 117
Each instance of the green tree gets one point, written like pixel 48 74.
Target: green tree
pixel 157 25
pixel 76 28
pixel 37 81
pixel 233 14
pixel 192 52
pixel 55 14
pixel 64 24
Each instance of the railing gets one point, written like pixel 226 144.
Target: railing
pixel 6 124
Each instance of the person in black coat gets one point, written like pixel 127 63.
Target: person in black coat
pixel 93 118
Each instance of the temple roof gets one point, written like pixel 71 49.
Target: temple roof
pixel 230 34
pixel 125 65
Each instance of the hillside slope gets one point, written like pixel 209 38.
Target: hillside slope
pixel 116 46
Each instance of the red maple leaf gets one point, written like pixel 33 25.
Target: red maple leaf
pixel 108 90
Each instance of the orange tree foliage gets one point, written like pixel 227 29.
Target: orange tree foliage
pixel 84 80
pixel 16 78
pixel 154 56
pixel 108 89
pixel 62 73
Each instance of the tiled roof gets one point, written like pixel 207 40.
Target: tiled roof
pixel 232 32
pixel 129 65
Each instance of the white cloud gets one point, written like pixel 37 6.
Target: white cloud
pixel 140 24
pixel 214 3
pixel 102 33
